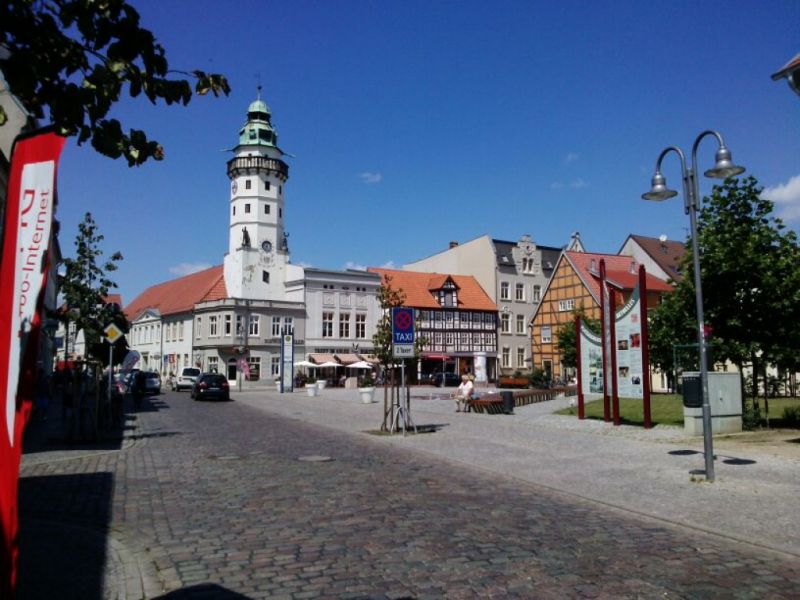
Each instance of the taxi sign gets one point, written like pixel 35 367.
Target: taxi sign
pixel 113 333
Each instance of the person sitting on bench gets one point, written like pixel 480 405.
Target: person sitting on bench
pixel 464 393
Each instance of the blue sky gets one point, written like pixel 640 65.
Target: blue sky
pixel 416 123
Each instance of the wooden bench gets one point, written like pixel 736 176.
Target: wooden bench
pixel 491 404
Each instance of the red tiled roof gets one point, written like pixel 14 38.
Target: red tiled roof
pixel 113 299
pixel 787 68
pixel 618 272
pixel 180 295
pixel 418 289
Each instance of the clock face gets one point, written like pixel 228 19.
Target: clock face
pixel 266 246
pixel 234 187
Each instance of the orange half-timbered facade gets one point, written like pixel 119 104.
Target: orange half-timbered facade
pixel 575 285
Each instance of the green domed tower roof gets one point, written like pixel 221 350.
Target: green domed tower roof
pixel 258 130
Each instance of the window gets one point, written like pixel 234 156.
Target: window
pixel 275 366
pixel 565 305
pixel 213 364
pixel 527 265
pixel 247 185
pixel 276 327
pixel 239 326
pixel 520 323
pixel 547 334
pixel 504 291
pixel 265 276
pixel 234 210
pixel 327 324
pixel 280 213
pixel 361 326
pixel 344 325
pixel 247 208
pixel 267 185
pixel 521 358
pixel 253 328
pixel 180 330
pixel 505 359
pixel 266 209
pixel 254 362
pixel 448 295
pixel 537 293
pixel 505 323
pixel 228 326
pixel 288 324
pixel 199 331
pixel 212 326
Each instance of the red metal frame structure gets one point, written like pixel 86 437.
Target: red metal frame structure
pixel 648 423
pixel 581 406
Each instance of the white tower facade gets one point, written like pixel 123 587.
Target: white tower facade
pixel 257 260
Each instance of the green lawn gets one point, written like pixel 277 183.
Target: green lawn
pixel 667 409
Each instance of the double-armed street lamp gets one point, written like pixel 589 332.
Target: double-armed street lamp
pixel 723 169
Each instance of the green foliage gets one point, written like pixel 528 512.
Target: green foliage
pixel 565 337
pixel 791 416
pixel 389 298
pixel 750 272
pixel 85 285
pixel 538 378
pixel 70 60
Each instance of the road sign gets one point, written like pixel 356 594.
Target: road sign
pixel 402 325
pixel 403 351
pixel 113 333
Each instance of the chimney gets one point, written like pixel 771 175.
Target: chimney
pixel 453 244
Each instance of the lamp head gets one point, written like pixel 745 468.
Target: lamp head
pixel 659 190
pixel 724 167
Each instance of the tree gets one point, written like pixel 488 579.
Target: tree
pixel 85 286
pixel 69 60
pixel 750 270
pixel 566 343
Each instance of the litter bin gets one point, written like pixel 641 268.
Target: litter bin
pixel 508 402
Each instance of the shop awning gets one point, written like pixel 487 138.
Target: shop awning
pixel 435 356
pixel 320 358
pixel 348 359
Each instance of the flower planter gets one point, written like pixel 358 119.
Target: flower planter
pixel 311 390
pixel 321 383
pixel 367 394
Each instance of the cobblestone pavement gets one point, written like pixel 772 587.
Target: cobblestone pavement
pixel 223 500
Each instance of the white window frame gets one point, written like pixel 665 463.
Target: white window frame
pixel 361 326
pixel 521 357
pixel 228 327
pixel 198 334
pixel 213 326
pixel 253 325
pixel 275 366
pixel 547 334
pixel 505 357
pixel 505 322
pixel 519 292
pixel 344 326
pixel 505 290
pixel 276 327
pixel 327 324
pixel 566 305
pixel 521 324
pixel 537 293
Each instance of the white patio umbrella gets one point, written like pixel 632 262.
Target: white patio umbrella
pixel 362 364
pixel 305 363
pixel 330 363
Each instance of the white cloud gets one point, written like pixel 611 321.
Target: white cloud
pixel 389 265
pixel 571 157
pixel 354 266
pixel 786 197
pixel 188 268
pixel 575 185
pixel 369 178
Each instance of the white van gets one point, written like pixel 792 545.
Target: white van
pixel 186 379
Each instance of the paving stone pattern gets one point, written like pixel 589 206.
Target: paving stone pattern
pixel 210 500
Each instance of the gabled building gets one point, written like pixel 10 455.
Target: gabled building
pixel 456 317
pixel 575 285
pixel 661 257
pixel 513 274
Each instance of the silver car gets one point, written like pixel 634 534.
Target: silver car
pixel 185 380
pixel 152 383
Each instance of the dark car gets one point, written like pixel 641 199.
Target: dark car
pixel 211 385
pixel 152 383
pixel 446 380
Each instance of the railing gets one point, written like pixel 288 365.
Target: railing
pixel 257 163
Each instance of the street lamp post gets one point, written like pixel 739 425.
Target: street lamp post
pixel 723 169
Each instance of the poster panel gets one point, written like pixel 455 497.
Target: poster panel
pixel 287 362
pixel 591 363
pixel 630 366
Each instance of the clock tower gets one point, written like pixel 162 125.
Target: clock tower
pixel 258 250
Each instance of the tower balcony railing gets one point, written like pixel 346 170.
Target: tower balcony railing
pixel 243 165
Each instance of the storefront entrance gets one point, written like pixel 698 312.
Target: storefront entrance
pixel 231 369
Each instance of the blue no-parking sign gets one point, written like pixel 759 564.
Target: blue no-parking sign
pixel 403 325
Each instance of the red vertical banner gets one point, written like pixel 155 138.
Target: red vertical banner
pixel 579 365
pixel 605 321
pixel 612 301
pixel 648 422
pixel 28 222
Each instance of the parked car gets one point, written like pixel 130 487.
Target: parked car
pixel 446 380
pixel 185 379
pixel 152 383
pixel 211 385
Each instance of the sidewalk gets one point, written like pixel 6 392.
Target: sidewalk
pixel 645 472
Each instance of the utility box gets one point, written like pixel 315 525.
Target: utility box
pixel 724 398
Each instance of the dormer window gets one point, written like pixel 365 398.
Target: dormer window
pixel 448 295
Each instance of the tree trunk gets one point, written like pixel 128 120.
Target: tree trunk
pixel 766 393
